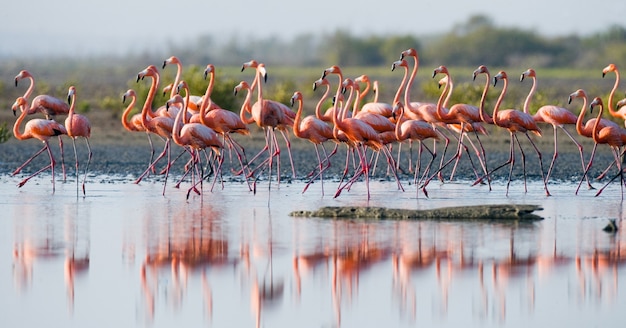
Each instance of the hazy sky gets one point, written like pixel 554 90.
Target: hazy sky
pixel 117 26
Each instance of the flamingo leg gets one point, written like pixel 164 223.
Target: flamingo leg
pixel 51 166
pixel 586 171
pixel 19 169
pixel 545 184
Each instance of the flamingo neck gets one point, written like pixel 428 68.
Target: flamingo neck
pixel 530 96
pixel 396 98
pixel 409 85
pixel 612 95
pixel 298 119
pixel 483 114
pixel 496 108
pixel 595 134
pixel 16 127
pixel 70 115
pixel 30 89
pixel 179 71
pixel 398 131
pixel 318 107
pixel 245 108
pixel 581 116
pixel 206 101
pixel 125 121
pixel 444 115
pixel 147 106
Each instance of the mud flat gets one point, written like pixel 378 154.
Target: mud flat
pixel 479 212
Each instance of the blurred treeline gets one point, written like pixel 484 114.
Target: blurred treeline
pixel 563 63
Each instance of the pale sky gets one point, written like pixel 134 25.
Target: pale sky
pixel 118 26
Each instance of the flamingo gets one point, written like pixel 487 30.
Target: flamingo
pixel 612 136
pixel 195 136
pixel 421 110
pixel 467 116
pixel 514 121
pixel 327 116
pixel 37 128
pixel 414 130
pixel 134 124
pixel 358 132
pixel 222 121
pixel 193 99
pixel 556 116
pixel 314 130
pixel 621 113
pixel 270 115
pixel 159 125
pixel 78 125
pixel 48 105
pixel 586 130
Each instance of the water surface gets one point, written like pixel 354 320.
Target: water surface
pixel 127 256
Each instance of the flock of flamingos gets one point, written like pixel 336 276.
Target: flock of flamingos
pixel 205 130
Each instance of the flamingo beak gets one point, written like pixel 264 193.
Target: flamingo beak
pixel 164 63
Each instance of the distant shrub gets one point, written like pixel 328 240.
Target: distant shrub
pixel 5 132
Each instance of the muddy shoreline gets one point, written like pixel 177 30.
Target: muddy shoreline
pixel 118 152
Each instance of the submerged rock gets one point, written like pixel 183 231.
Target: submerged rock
pixel 478 212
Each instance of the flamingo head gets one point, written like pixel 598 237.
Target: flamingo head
pixel 527 73
pixel 253 63
pixel 409 52
pixel 610 68
pixel 500 76
pixel 597 101
pixel 240 86
pixel 332 70
pixel 70 93
pixel 22 75
pixel 177 99
pixel 399 63
pixel 621 103
pixel 297 96
pixel 148 71
pixel 398 109
pixel 210 68
pixel 441 69
pixel 130 93
pixel 482 69
pixel 580 93
pixel 19 102
pixel 443 81
pixel 362 79
pixel 319 82
pixel 171 60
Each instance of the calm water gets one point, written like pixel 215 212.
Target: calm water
pixel 126 256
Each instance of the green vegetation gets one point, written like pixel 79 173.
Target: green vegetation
pixel 5 133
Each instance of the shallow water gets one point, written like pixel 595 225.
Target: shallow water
pixel 127 256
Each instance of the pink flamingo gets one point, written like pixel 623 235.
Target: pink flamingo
pixel 467 116
pixel 134 123
pixel 514 121
pixel 414 130
pixel 421 110
pixel 78 125
pixel 612 136
pixel 358 132
pixel 193 99
pixel 270 115
pixel 48 105
pixel 36 128
pixel 586 130
pixel 159 125
pixel 196 137
pixel 621 113
pixel 555 116
pixel 314 130
pixel 221 120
